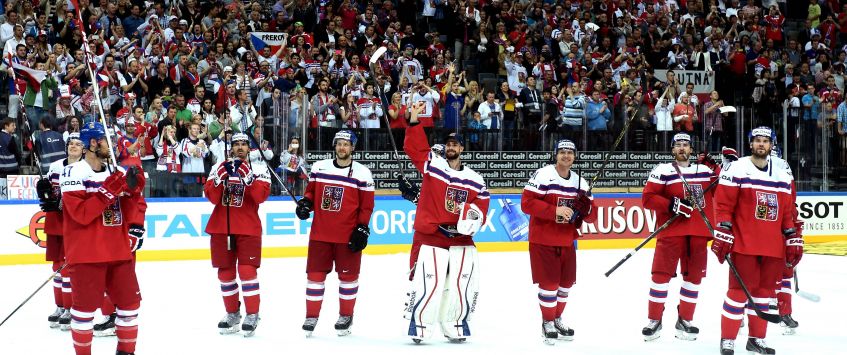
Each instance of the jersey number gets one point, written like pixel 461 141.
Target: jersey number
pixel 67 171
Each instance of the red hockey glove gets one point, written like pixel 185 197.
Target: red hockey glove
pixel 680 207
pixel 221 174
pixel 581 208
pixel 113 186
pixel 793 247
pixel 246 173
pixel 729 155
pixel 136 237
pixel 723 241
pixel 705 159
pixel 136 174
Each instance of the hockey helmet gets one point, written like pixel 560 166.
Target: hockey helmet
pixel 776 152
pixel 762 131
pixel 240 137
pixel 91 130
pixel 564 144
pixel 347 135
pixel 453 136
pixel 470 219
pixel 681 136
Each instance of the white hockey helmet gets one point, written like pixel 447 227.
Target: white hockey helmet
pixel 681 136
pixel 470 219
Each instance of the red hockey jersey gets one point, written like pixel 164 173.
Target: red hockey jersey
pixel 343 197
pixel 443 189
pixel 243 202
pixel 664 184
pixel 95 229
pixel 544 192
pixel 759 204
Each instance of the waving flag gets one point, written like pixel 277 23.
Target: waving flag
pixel 261 40
pixel 32 76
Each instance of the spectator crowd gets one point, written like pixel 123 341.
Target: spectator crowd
pixel 176 78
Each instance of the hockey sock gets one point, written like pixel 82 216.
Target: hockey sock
pixel 126 328
pixel 57 286
pixel 67 299
pixel 783 296
pixel 107 308
pixel 733 311
pixel 229 289
pixel 562 300
pixel 314 293
pixel 547 302
pixel 348 287
pixel 82 330
pixel 657 297
pixel 249 288
pixel 758 326
pixel 688 300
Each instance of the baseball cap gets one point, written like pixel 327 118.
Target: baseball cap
pixel 298 23
pixel 227 68
pixel 129 96
pixel 183 22
pixel 409 46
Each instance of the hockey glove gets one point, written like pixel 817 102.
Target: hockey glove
pixel 729 155
pixel 135 180
pixel 408 189
pixel 44 189
pixel 680 207
pixel 793 247
pixel 722 244
pixel 304 207
pixel 136 237
pixel 220 174
pixel 581 208
pixel 705 159
pixel 438 149
pixel 359 238
pixel 113 186
pixel 449 231
pixel 246 173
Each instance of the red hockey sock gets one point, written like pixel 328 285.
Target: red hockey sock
pixel 658 295
pixel 249 288
pixel 783 297
pixel 688 300
pixel 733 312
pixel 107 308
pixel 561 300
pixel 82 333
pixel 758 326
pixel 229 289
pixel 67 298
pixel 57 291
pixel 547 303
pixel 126 328
pixel 314 293
pixel 347 291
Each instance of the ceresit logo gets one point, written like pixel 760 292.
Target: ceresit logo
pixel 35 229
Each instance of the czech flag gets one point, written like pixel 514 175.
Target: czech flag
pixel 274 40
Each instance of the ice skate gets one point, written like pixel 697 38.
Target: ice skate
pixel 758 346
pixel 686 331
pixel 251 322
pixel 107 327
pixel 549 332
pixel 727 347
pixel 229 323
pixel 652 330
pixel 343 325
pixel 309 326
pixel 789 325
pixel 65 320
pixel 565 332
pixel 53 319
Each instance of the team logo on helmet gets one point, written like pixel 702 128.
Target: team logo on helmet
pixel 762 131
pixel 240 137
pixel 347 135
pixel 565 144
pixel 681 137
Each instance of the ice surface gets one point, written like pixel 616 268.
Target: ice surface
pixel 182 306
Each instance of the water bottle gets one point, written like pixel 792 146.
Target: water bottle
pixel 513 221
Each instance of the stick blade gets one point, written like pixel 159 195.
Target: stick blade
pixel 809 296
pixel 378 54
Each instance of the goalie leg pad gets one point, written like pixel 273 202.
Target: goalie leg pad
pixel 427 287
pixel 461 291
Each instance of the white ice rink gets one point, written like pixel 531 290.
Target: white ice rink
pixel 182 306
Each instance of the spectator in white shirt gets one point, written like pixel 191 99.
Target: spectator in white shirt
pixel 490 112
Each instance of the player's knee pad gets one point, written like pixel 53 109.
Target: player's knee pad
pixel 127 315
pixel 57 265
pixel 348 277
pixel 427 287
pixel 226 274
pixel 461 291
pixel 661 277
pixel 247 272
pixel 82 319
pixel 316 276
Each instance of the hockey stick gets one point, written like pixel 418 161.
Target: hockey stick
pixel 651 236
pixel 612 151
pixel 372 62
pixel 34 292
pixel 230 239
pixel 772 318
pixel 809 296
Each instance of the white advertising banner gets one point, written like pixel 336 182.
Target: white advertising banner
pixel 21 187
pixel 704 82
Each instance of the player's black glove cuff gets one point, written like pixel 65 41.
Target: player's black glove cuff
pixel 359 238
pixel 50 205
pixel 408 190
pixel 304 207
pixel 44 189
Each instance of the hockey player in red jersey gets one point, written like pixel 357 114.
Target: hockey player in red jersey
pixel 557 202
pixel 236 188
pixel 49 195
pixel 452 207
pixel 755 228
pixel 98 206
pixel 344 192
pixel 684 241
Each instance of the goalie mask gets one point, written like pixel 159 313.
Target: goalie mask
pixel 470 219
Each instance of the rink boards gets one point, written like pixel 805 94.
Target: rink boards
pixel 175 227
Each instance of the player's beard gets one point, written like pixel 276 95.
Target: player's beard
pixel 240 154
pixel 762 153
pixel 451 154
pixel 681 156
pixel 342 155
